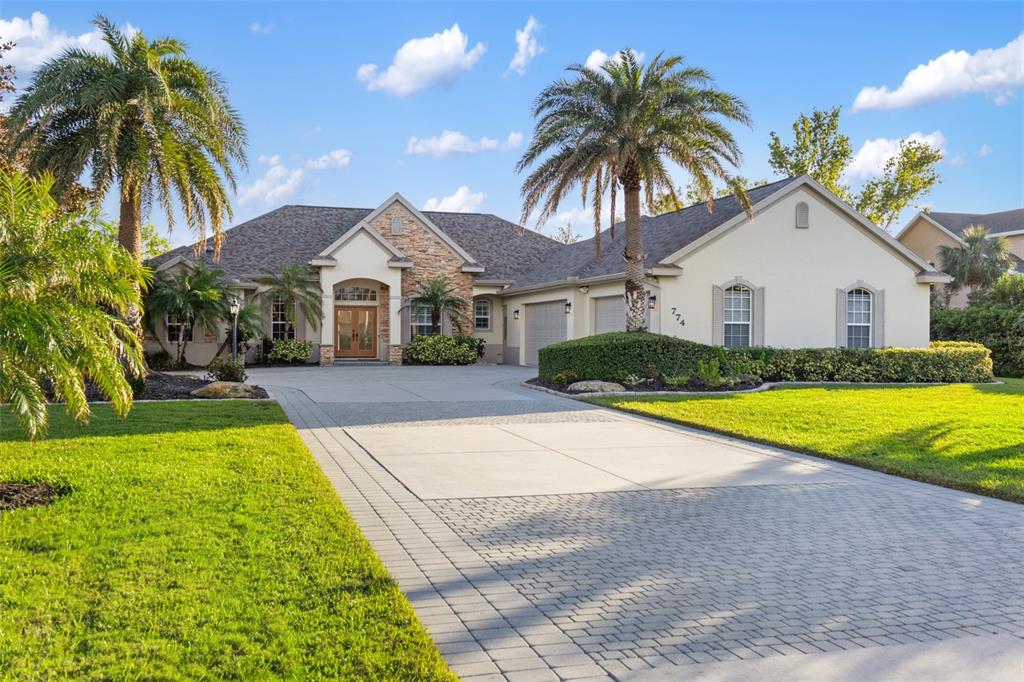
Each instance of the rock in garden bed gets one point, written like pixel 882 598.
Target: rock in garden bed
pixel 163 386
pixel 21 495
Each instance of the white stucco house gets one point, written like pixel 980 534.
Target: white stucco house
pixel 805 270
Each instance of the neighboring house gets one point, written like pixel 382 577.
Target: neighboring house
pixel 928 230
pixel 805 271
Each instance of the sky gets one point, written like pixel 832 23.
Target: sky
pixel 347 103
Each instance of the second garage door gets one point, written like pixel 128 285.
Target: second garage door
pixel 545 324
pixel 609 314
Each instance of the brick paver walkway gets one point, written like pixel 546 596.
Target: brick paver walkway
pixel 608 585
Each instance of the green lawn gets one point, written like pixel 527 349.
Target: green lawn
pixel 968 437
pixel 196 541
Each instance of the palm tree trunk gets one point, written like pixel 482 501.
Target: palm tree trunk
pixel 636 295
pixel 129 236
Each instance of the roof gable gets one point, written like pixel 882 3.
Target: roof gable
pixel 367 223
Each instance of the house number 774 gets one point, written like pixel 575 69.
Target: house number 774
pixel 679 317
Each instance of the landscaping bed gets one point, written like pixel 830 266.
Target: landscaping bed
pixel 961 436
pixel 164 386
pixel 21 495
pixel 198 540
pixel 691 384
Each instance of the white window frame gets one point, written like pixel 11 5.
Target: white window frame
pixel 726 310
pixel 485 315
pixel 281 329
pixel 178 324
pixel 420 322
pixel 862 294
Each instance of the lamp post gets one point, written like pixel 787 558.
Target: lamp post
pixel 234 307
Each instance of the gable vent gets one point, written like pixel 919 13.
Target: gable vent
pixel 803 218
pixel 396 225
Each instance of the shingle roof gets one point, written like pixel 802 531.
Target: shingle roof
pixel 663 235
pixel 1003 221
pixel 297 234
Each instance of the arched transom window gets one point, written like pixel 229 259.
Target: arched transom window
pixel 858 318
pixel 736 309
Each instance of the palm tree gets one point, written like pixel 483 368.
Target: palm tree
pixel 978 262
pixel 614 128
pixel 252 324
pixel 63 286
pixel 440 297
pixel 293 285
pixel 193 295
pixel 145 118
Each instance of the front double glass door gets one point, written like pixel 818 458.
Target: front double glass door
pixel 355 332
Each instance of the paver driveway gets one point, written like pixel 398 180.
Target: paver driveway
pixel 542 538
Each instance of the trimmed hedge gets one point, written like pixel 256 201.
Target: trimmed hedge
pixel 615 356
pixel 995 318
pixel 441 350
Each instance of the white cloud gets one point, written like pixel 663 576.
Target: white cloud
pixel 598 57
pixel 36 41
pixel 422 62
pixel 527 47
pixel 336 158
pixel 983 150
pixel 463 201
pixel 956 161
pixel 994 72
pixel 257 27
pixel 454 142
pixel 277 184
pixel 870 159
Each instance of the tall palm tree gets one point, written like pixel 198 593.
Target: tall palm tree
pixel 978 262
pixel 193 295
pixel 63 286
pixel 615 127
pixel 441 298
pixel 292 284
pixel 146 118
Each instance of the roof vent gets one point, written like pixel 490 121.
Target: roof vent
pixel 803 219
pixel 396 225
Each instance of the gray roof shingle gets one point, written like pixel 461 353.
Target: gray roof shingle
pixel 1002 221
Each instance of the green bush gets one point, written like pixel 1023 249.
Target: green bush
pixel 159 360
pixel 222 369
pixel 440 350
pixel 474 343
pixel 612 357
pixel 994 319
pixel 290 350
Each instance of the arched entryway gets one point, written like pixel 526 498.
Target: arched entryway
pixel 360 306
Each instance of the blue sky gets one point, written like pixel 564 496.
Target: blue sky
pixel 325 129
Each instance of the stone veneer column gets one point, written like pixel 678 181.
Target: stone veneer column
pixel 326 355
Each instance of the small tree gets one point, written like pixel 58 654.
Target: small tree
pixel 194 295
pixel 979 262
pixel 440 297
pixel 63 288
pixel 292 285
pixel 566 235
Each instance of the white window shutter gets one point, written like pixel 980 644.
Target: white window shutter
pixel 878 319
pixel 717 315
pixel 840 318
pixel 757 333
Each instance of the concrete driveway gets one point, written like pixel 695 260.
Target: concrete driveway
pixel 542 538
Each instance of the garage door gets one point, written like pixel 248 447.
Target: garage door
pixel 609 314
pixel 545 324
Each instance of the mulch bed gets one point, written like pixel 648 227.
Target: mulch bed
pixel 695 385
pixel 21 495
pixel 161 386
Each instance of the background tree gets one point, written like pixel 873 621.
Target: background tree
pixel 293 285
pixel 979 262
pixel 907 176
pixel 145 118
pixel 196 295
pixel 819 150
pixel 614 128
pixel 664 203
pixel 441 299
pixel 62 289
pixel 153 242
pixel 566 234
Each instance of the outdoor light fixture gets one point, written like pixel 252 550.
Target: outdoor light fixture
pixel 568 307
pixel 515 314
pixel 234 306
pixel 653 303
pixel 584 289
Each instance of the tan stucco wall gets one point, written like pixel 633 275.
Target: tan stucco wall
pixel 1017 245
pixel 800 269
pixel 924 239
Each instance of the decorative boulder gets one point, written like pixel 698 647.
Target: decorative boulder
pixel 595 387
pixel 224 389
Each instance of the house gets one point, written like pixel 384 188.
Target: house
pixel 805 270
pixel 928 230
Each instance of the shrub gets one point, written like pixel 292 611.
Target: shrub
pixel 159 360
pixel 440 350
pixel 710 373
pixel 996 320
pixel 290 350
pixel 612 357
pixel 222 369
pixel 474 343
pixel 566 377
